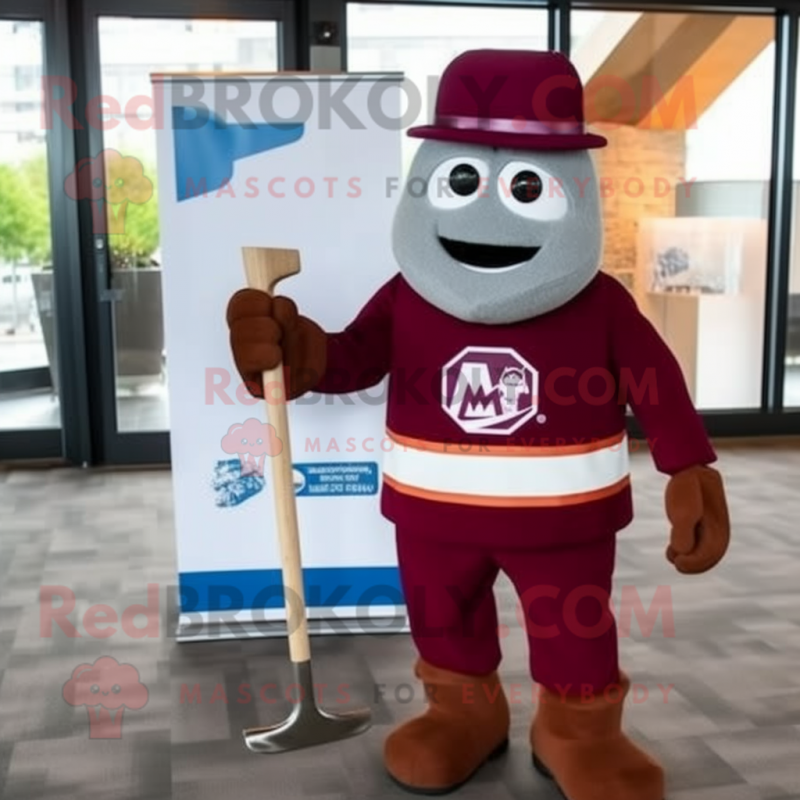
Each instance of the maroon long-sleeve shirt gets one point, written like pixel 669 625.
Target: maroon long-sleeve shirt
pixel 563 378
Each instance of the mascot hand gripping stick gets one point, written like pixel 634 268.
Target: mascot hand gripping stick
pixel 511 359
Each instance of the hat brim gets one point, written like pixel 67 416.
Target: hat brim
pixel 518 141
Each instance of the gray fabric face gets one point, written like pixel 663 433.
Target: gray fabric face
pixel 500 286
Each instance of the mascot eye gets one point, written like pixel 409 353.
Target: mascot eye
pixel 457 182
pixel 464 179
pixel 526 186
pixel 116 688
pixel 244 441
pixel 259 441
pixel 94 688
pixel 532 192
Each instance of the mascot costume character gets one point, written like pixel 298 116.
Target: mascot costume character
pixel 511 360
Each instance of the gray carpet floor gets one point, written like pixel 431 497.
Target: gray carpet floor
pixel 729 729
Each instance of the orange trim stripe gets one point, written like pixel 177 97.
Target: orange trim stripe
pixel 553 501
pixel 479 449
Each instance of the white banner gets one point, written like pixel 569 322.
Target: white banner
pixel 233 176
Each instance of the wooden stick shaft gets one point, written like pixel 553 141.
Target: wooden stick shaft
pixel 286 518
pixel 264 267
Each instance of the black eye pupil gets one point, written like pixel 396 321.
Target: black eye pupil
pixel 526 186
pixel 464 179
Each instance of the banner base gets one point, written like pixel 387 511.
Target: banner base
pixel 207 626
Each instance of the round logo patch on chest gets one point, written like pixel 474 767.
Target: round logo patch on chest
pixel 489 390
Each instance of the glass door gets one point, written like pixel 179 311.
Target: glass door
pixel 30 408
pixel 122 193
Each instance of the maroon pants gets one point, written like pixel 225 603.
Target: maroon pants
pixel 564 604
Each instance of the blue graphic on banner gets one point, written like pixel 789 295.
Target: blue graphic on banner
pixel 325 587
pixel 231 486
pixel 206 147
pixel 346 478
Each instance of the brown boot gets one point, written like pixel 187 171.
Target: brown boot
pixel 579 743
pixel 465 725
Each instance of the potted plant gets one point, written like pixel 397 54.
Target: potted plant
pixel 133 245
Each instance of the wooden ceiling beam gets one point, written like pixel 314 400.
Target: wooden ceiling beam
pixel 669 68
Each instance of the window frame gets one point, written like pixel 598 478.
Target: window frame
pixel 69 49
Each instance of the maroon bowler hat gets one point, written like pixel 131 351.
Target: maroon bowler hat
pixel 522 99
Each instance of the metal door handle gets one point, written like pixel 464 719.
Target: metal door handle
pixel 106 292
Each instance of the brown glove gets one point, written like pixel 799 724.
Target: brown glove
pixel 265 331
pixel 698 511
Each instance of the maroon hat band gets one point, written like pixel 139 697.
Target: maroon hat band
pixel 517 125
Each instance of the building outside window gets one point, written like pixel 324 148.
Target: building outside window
pixel 420 41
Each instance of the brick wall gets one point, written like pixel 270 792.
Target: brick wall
pixel 636 161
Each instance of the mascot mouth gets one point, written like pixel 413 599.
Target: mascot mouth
pixel 487 256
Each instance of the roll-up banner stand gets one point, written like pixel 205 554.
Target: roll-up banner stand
pixel 275 161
